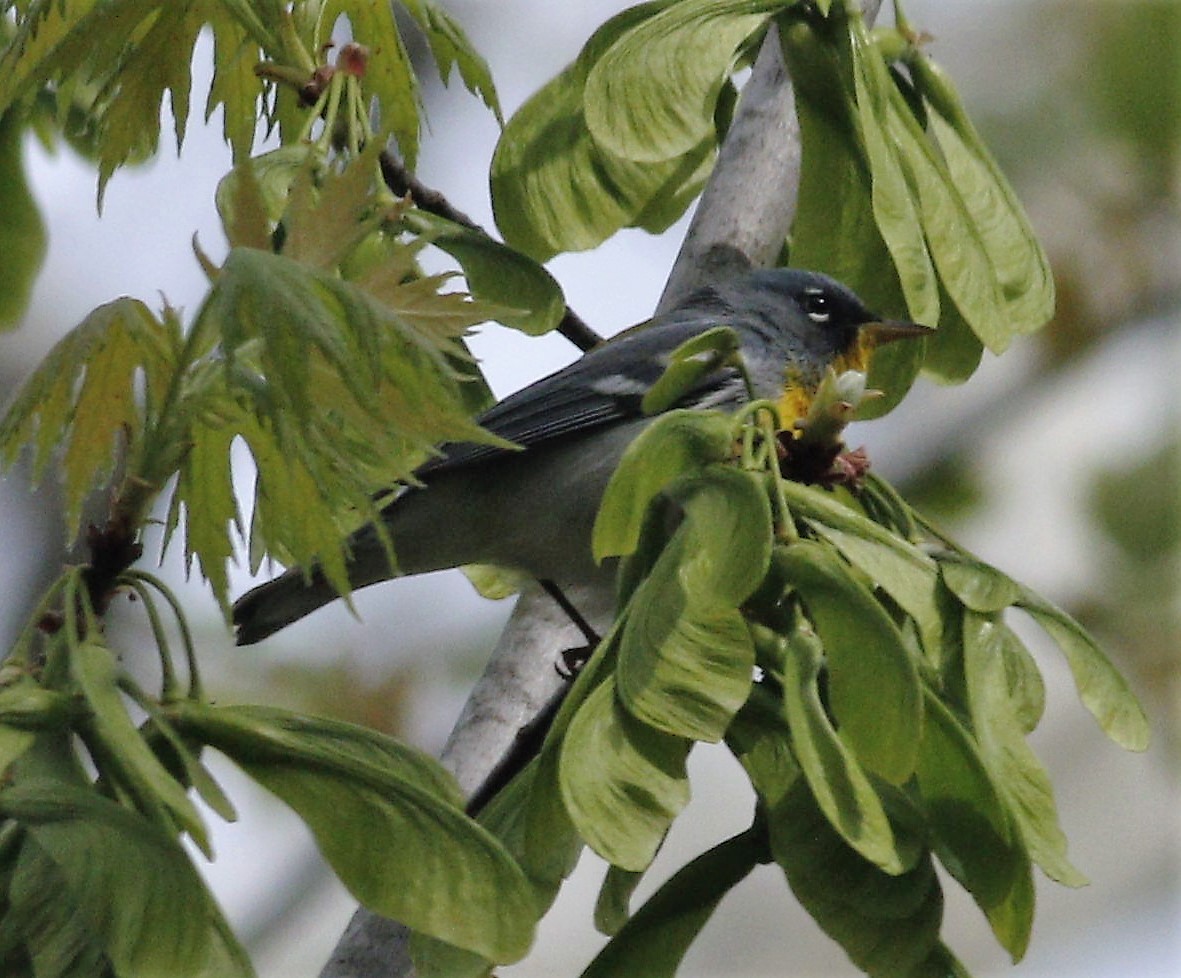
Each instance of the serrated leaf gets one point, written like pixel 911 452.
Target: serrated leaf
pixel 651 95
pixel 1014 767
pixel 1103 691
pixel 157 63
pixel 329 211
pixel 82 397
pixel 554 189
pixel 235 87
pixel 529 296
pixel 438 872
pixel 653 942
pixel 676 444
pixel 451 48
pixel 868 661
pixel 838 783
pixel 205 489
pixel 131 892
pixel 336 392
pixel 685 654
pixel 973 834
pixel 887 924
pixel 622 782
pixel 22 232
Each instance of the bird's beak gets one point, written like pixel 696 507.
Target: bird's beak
pixel 884 331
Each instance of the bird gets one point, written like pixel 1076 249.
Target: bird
pixel 531 508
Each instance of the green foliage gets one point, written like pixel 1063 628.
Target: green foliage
pixel 654 940
pixel 894 174
pixel 134 52
pixel 884 728
pixel 857 664
pixel 445 875
pixel 563 180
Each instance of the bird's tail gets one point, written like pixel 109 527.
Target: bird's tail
pixel 263 610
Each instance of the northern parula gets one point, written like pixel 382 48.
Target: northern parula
pixel 532 509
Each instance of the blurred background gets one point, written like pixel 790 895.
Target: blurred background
pixel 1060 463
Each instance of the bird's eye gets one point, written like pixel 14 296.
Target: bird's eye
pixel 817 306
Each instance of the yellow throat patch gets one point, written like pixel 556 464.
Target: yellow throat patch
pixel 798 393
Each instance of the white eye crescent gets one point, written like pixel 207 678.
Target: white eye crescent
pixel 816 306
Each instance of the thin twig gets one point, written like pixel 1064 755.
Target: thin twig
pixel 402 182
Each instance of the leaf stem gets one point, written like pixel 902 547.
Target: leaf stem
pixel 141 580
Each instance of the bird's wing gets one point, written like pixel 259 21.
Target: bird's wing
pixel 605 386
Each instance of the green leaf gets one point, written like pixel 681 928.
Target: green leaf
pixel 895 209
pixel 688 364
pixel 451 48
pixel 895 565
pixel 157 63
pixel 82 399
pixel 612 909
pixel 838 783
pixel 336 391
pixel 1104 692
pixel 887 924
pixel 868 661
pixel 235 87
pixel 761 741
pixel 22 232
pixel 555 189
pixel 531 298
pixel 1027 689
pixel 685 655
pixel 622 782
pixel 1020 263
pixel 93 878
pixel 120 751
pixel 965 268
pixel 834 229
pixel 978 585
pixel 651 96
pixel 973 833
pixel 953 351
pixel 436 870
pixel 1014 768
pixel 655 940
pixel 678 443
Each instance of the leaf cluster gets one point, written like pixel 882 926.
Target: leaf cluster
pixel 896 176
pixel 118 59
pixel 898 195
pixel 335 363
pixel 93 876
pixel 859 668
